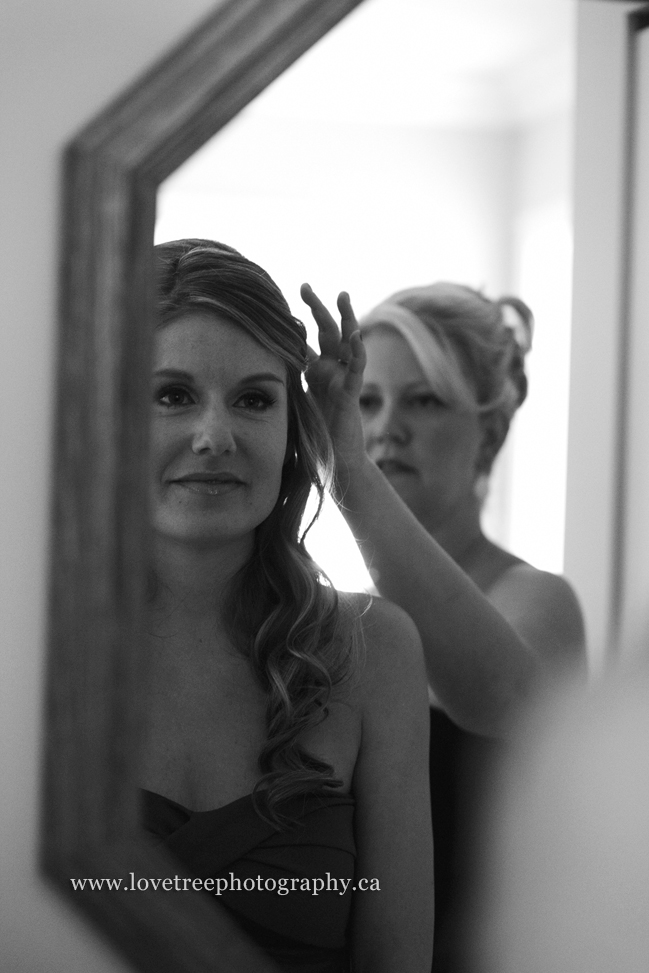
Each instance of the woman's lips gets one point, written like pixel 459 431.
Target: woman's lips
pixel 391 467
pixel 211 485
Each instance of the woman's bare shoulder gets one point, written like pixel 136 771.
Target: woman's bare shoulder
pixel 392 655
pixel 542 607
pixel 381 621
pixel 521 579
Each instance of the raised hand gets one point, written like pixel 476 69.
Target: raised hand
pixel 335 378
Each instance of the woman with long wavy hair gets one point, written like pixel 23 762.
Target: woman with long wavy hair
pixel 285 747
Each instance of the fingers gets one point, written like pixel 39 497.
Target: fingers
pixel 335 342
pixel 328 333
pixel 358 359
pixel 348 320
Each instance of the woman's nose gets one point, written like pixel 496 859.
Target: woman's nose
pixel 387 425
pixel 213 432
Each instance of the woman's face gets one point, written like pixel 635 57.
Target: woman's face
pixel 428 451
pixel 219 431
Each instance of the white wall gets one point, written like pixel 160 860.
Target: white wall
pixel 541 273
pixel 61 62
pixel 373 208
pixel 370 208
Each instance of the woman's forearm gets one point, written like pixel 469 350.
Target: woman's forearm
pixel 478 667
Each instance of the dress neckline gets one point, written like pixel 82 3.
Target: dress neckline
pixel 240 800
pixel 188 810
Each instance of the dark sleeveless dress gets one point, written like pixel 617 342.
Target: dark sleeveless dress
pixel 301 932
pixel 461 765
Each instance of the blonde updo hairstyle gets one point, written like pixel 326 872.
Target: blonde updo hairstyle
pixel 471 350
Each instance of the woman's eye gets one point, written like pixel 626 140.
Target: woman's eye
pixel 426 400
pixel 173 397
pixel 255 401
pixel 369 401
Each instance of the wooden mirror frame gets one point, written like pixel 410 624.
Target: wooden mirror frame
pixel 99 542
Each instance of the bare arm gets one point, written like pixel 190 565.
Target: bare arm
pixel 479 668
pixel 483 660
pixel 392 924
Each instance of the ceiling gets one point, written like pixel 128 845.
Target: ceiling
pixel 459 63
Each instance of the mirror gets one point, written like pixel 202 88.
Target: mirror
pixel 112 173
pixel 99 516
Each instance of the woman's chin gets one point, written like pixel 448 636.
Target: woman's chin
pixel 204 536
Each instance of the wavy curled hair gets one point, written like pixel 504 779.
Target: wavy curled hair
pixel 471 349
pixel 290 625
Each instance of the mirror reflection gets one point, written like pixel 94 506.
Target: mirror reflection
pixel 362 168
pixel 411 145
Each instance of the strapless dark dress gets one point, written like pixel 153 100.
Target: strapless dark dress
pixel 461 765
pixel 302 932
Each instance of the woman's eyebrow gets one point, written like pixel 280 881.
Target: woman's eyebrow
pixel 263 377
pixel 178 373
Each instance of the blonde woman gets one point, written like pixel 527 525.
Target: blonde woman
pixel 418 399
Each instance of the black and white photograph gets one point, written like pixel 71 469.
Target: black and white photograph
pixel 325 500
